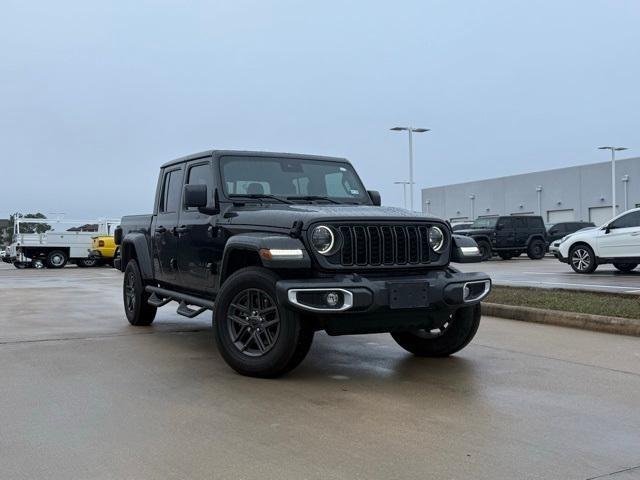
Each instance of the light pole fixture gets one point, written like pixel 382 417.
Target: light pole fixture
pixel 613 175
pixel 404 191
pixel 411 131
pixel 428 204
pixel 625 182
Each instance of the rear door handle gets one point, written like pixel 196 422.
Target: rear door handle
pixel 181 230
pixel 160 229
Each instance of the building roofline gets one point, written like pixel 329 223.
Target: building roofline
pixel 529 173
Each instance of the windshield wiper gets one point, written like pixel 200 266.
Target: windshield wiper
pixel 314 197
pixel 257 196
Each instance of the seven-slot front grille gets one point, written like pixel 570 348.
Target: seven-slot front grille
pixel 381 245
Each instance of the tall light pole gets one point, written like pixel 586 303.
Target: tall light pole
pixel 613 175
pixel 539 192
pixel 404 191
pixel 472 197
pixel 411 131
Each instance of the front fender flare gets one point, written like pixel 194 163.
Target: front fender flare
pixel 254 242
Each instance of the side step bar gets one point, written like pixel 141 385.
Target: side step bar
pixel 162 296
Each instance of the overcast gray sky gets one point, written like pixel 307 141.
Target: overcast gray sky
pixel 94 96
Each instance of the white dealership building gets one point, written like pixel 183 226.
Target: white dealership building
pixel 581 193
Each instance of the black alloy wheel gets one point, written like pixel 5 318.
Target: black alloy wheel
pixel 253 322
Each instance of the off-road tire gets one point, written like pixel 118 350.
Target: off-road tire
pixel 536 249
pixel 625 267
pixel 293 338
pixel 138 311
pixel 584 252
pixel 57 259
pixel 461 330
pixel 485 249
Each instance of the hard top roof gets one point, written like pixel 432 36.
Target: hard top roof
pixel 248 153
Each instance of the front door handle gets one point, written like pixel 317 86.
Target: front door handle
pixel 160 229
pixel 181 230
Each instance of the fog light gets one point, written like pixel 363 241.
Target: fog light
pixel 332 299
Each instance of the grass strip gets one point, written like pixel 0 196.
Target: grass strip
pixel 595 303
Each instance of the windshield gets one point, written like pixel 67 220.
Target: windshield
pixel 484 223
pixel 288 178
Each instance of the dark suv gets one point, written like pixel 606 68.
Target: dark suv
pixel 509 236
pixel 280 246
pixel 558 230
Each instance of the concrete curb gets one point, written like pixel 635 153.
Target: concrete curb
pixel 597 323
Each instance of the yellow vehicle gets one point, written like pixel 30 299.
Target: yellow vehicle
pixel 104 249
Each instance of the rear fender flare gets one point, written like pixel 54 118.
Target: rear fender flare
pixel 134 245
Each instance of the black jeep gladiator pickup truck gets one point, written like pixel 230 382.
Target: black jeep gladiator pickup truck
pixel 280 246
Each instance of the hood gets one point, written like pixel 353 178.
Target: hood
pixel 474 231
pixel 283 216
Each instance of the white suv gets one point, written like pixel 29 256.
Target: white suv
pixel 617 242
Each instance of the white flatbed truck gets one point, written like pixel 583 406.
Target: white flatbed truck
pixel 64 241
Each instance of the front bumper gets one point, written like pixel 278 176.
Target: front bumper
pixel 368 304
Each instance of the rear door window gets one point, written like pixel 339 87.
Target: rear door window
pixel 172 188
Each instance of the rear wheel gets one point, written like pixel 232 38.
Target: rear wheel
pixel 138 311
pixel 582 259
pixel 536 249
pixel 87 262
pixel 56 259
pixel 625 267
pixel 485 249
pixel 255 334
pixel 452 337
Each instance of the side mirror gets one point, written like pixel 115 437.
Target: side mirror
pixel 464 250
pixel 375 197
pixel 195 196
pixel 553 232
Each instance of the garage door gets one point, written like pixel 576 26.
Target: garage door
pixel 557 216
pixel 600 215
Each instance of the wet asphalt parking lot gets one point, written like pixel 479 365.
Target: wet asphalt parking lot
pixel 550 273
pixel 86 396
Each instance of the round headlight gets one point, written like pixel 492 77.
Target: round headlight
pixel 323 239
pixel 436 239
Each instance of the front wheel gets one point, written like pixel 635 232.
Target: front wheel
pixel 625 267
pixel 485 250
pixel 256 335
pixel 582 259
pixel 452 337
pixel 138 311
